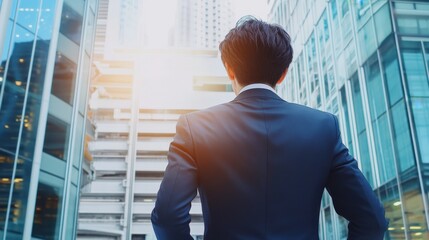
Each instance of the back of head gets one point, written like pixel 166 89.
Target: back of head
pixel 256 51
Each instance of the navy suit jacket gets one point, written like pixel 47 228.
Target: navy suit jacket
pixel 260 165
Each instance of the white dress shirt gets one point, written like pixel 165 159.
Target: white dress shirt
pixel 257 85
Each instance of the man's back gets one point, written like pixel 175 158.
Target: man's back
pixel 259 163
pixel 262 165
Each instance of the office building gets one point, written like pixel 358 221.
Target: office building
pixel 368 63
pixel 137 95
pixel 45 49
pixel 202 24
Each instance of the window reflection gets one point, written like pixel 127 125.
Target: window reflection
pixel 361 129
pixel 56 138
pixel 71 22
pixel 46 215
pixel 64 78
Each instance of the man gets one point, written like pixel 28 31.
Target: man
pixel 260 163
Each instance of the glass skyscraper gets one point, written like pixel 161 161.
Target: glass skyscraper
pixel 45 50
pixel 367 61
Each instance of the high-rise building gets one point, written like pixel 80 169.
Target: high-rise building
pixel 368 63
pixel 136 98
pixel 202 24
pixel 45 49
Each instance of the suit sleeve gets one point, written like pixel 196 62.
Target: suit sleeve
pixel 352 195
pixel 170 217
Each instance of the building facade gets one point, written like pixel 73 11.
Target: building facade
pixel 139 91
pixel 368 63
pixel 45 49
pixel 202 24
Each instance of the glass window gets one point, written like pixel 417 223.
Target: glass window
pixel 413 25
pixel 377 107
pixel 344 7
pixel 329 225
pixel 64 78
pixel 6 169
pixel 343 224
pixel 392 75
pixel 420 108
pixel 56 138
pixel 367 39
pixel 402 137
pixel 346 120
pixel 71 22
pixel 415 69
pixel 383 23
pixel 48 207
pixel 389 196
pixel 361 129
pixel 363 12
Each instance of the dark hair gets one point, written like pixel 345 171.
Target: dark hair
pixel 256 51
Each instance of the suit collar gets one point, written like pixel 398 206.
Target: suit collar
pixel 257 92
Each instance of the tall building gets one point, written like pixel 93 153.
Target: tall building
pixel 137 95
pixel 368 63
pixel 202 24
pixel 45 49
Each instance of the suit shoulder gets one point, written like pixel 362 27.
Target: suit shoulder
pixel 207 112
pixel 311 111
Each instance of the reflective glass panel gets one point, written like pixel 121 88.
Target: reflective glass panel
pixel 402 137
pixel 392 74
pixel 389 196
pixel 361 129
pixel 48 206
pixel 368 43
pixel 56 138
pixel 383 24
pixel 346 118
pixel 420 108
pixel 71 20
pixel 328 224
pixel 64 78
pixel 415 69
pixel 362 11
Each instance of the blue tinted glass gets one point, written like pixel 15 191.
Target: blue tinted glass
pixel 71 21
pixel 328 222
pixel 357 102
pixel 415 69
pixel 56 138
pixel 392 75
pixel 347 123
pixel 402 137
pixel 64 78
pixel 374 87
pixel 383 147
pixel 377 106
pixel 362 11
pixel 383 23
pixel 421 120
pixel 19 77
pixel 364 157
pixel 368 43
pixel 6 169
pixel 361 129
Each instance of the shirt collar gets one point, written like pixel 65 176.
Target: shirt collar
pixel 257 85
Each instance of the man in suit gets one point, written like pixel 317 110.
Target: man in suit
pixel 259 163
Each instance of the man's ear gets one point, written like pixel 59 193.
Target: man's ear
pixel 230 72
pixel 282 77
